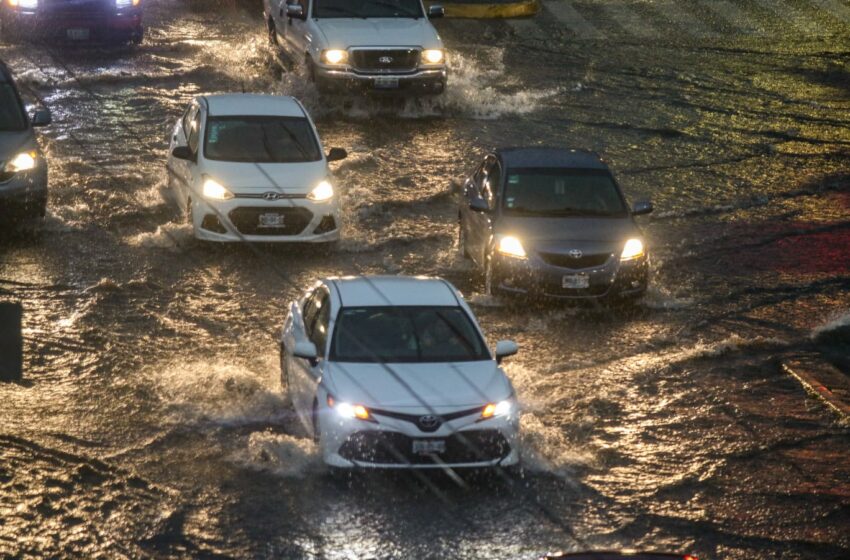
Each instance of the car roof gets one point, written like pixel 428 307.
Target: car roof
pixel 550 157
pixel 252 104
pixel 374 291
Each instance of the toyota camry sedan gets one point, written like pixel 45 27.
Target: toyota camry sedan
pixel 552 222
pixel 393 372
pixel 249 167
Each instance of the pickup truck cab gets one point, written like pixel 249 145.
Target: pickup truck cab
pixel 368 45
pixel 72 20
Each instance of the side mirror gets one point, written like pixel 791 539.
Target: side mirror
pixel 505 348
pixel 295 11
pixel 337 154
pixel 436 12
pixel 642 207
pixel 41 117
pixel 183 152
pixel 306 350
pixel 478 204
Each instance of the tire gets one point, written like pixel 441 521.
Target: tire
pixel 138 36
pixel 39 209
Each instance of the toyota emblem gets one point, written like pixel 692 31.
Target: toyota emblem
pixel 271 196
pixel 576 254
pixel 429 423
pixel 386 60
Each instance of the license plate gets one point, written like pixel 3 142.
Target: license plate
pixel 429 446
pixel 77 34
pixel 272 220
pixel 575 281
pixel 386 83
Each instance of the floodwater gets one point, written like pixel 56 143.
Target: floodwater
pixel 152 422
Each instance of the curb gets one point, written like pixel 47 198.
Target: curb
pixel 489 9
pixel 822 380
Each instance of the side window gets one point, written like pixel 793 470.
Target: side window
pixel 320 327
pixel 492 184
pixel 194 133
pixel 184 120
pixel 308 314
pixel 478 177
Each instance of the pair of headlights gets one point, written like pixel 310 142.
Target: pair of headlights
pixel 33 4
pixel 25 161
pixel 213 190
pixel 338 57
pixel 350 411
pixel 512 247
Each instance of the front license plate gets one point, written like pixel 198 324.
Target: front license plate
pixel 271 220
pixel 386 83
pixel 78 34
pixel 575 281
pixel 429 446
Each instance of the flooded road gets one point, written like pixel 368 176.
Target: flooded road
pixel 152 422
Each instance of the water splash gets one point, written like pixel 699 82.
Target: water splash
pixel 281 454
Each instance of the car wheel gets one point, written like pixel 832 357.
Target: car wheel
pixel 138 35
pixel 461 241
pixel 39 208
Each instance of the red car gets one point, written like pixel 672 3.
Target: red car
pixel 72 20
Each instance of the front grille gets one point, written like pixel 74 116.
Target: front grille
pixel 246 219
pixel 80 6
pixel 385 60
pixel 393 448
pixel 567 261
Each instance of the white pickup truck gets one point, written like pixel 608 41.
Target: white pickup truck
pixel 370 45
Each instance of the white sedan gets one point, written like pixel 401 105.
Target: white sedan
pixel 251 168
pixel 394 372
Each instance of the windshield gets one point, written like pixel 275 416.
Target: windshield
pixel 562 192
pixel 11 116
pixel 406 334
pixel 367 9
pixel 261 140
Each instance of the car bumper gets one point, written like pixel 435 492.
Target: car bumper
pixel 534 277
pixel 74 26
pixel 388 444
pixel 23 191
pixel 426 81
pixel 239 219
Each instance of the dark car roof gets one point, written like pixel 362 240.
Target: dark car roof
pixel 550 157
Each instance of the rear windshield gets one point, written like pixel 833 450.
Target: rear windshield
pixel 261 140
pixel 406 334
pixel 12 118
pixel 367 9
pixel 562 192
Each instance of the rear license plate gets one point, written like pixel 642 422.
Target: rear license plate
pixel 272 220
pixel 429 446
pixel 575 281
pixel 386 83
pixel 77 34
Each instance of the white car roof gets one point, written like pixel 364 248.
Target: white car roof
pixel 374 291
pixel 253 104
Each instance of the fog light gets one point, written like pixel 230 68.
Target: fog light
pixel 327 224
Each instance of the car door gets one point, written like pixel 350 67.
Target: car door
pixel 303 375
pixel 191 171
pixel 295 30
pixel 175 167
pixel 480 223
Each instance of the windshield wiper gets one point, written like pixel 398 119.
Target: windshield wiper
pixel 342 10
pixel 393 7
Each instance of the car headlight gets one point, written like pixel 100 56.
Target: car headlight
pixel 632 250
pixel 511 246
pixel 348 410
pixel 433 56
pixel 214 191
pixel 324 191
pixel 22 162
pixel 25 4
pixel 501 408
pixel 126 3
pixel 334 56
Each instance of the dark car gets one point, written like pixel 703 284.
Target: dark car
pixel 610 555
pixel 23 169
pixel 72 20
pixel 552 222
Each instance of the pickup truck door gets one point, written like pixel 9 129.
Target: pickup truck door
pixel 295 30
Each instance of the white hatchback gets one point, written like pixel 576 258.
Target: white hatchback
pixel 393 372
pixel 249 167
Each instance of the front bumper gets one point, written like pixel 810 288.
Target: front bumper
pixel 423 81
pixel 388 444
pixel 75 26
pixel 238 219
pixel 533 276
pixel 24 191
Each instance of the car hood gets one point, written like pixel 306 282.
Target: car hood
pixel 12 143
pixel 293 178
pixel 342 33
pixel 557 235
pixel 425 387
